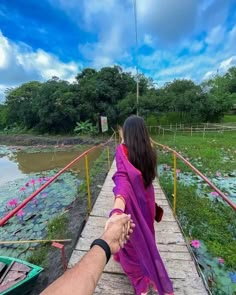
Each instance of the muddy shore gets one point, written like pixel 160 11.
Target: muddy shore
pixel 26 139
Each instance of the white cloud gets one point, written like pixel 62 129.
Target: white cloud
pixel 196 46
pixel 181 69
pixel 216 35
pixel 20 63
pixel 226 64
pixel 148 40
pixel 168 20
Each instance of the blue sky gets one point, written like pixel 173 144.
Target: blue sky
pixel 177 38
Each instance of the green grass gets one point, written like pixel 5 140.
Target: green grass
pixel 210 150
pixel 56 229
pixel 229 119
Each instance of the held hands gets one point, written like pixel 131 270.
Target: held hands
pixel 117 231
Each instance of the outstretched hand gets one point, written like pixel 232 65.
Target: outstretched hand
pixel 117 231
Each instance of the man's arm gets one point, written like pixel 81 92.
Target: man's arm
pixel 83 277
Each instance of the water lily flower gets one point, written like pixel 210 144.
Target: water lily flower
pixel 47 178
pixel 20 213
pixel 35 201
pixel 33 181
pixel 195 244
pixel 221 260
pixel 44 195
pixel 27 184
pixel 22 189
pixel 40 179
pixel 178 171
pixel 215 194
pixel 218 173
pixel 232 276
pixel 12 203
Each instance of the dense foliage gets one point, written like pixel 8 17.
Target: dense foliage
pixel 56 105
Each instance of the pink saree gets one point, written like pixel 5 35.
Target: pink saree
pixel 139 258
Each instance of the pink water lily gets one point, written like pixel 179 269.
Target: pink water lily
pixel 33 181
pixel 12 203
pixel 40 179
pixel 215 194
pixel 35 201
pixel 47 178
pixel 44 195
pixel 22 189
pixel 178 171
pixel 27 184
pixel 20 213
pixel 195 244
pixel 218 173
pixel 221 260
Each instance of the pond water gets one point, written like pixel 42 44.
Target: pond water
pixel 22 171
pixel 17 164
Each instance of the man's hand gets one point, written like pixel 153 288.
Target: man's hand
pixel 117 231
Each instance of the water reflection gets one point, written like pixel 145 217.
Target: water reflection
pixel 9 170
pixel 16 166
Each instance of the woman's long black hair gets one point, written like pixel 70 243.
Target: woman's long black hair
pixel 140 152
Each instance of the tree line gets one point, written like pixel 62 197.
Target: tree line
pixel 56 105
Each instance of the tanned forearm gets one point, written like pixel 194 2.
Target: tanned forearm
pixel 83 277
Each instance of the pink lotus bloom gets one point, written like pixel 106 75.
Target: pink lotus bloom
pixel 33 181
pixel 12 203
pixel 22 189
pixel 47 178
pixel 218 173
pixel 178 171
pixel 40 179
pixel 35 201
pixel 44 195
pixel 20 213
pixel 195 244
pixel 215 194
pixel 27 184
pixel 221 260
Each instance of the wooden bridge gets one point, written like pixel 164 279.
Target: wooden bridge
pixel 170 242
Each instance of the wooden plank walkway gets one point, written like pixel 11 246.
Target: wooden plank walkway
pixel 169 239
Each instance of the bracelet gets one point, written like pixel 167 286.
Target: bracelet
pixel 116 210
pixel 101 243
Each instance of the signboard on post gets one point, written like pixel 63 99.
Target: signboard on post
pixel 104 124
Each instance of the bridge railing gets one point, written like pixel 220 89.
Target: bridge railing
pixel 195 170
pixel 46 184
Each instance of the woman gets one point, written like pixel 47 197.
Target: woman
pixel 134 194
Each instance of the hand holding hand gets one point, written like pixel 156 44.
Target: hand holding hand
pixel 117 231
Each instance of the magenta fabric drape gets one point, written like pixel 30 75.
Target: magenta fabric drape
pixel 139 258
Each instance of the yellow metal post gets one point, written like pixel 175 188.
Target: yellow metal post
pixel 88 183
pixel 175 183
pixel 108 158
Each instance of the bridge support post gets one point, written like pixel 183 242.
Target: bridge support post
pixel 108 159
pixel 88 183
pixel 175 183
